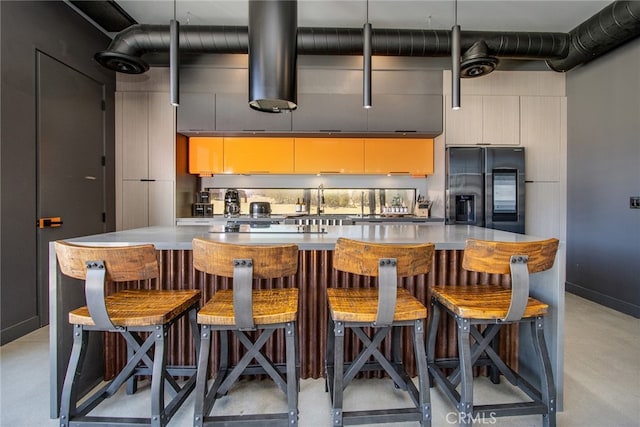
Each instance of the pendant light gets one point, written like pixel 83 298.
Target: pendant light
pixel 174 38
pixel 455 61
pixel 366 63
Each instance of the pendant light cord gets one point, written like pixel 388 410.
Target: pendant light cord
pixel 455 12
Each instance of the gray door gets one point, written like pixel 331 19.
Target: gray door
pixel 71 175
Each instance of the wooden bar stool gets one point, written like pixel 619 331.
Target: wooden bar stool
pixel 242 310
pixel 142 317
pixel 480 310
pixel 385 308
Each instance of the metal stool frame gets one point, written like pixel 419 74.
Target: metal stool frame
pixel 484 332
pixel 140 359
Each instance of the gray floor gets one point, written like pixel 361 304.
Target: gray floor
pixel 602 382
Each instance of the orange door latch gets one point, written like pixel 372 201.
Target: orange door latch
pixel 55 221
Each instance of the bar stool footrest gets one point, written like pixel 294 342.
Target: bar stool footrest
pixel 257 420
pixel 381 416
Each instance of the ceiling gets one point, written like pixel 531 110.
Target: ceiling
pixel 512 15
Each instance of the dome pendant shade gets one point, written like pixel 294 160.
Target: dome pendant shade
pixel 272 30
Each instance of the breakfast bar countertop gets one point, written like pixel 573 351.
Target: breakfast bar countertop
pixel 180 237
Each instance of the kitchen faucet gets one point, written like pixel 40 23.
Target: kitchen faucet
pixel 320 199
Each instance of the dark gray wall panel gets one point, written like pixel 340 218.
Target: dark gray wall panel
pixel 603 171
pixel 25 27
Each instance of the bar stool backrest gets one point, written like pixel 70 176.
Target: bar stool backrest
pixel 99 265
pixel 519 259
pixel 269 262
pixel 495 257
pixel 387 262
pixel 122 263
pixel 362 258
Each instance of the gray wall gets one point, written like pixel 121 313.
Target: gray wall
pixel 54 28
pixel 603 171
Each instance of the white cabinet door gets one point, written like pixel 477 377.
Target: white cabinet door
pixel 161 203
pixel 132 122
pixel 134 204
pixel 543 211
pixel 501 120
pixel 464 126
pixel 541 134
pixel 483 120
pixel 162 137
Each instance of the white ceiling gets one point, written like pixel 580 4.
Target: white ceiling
pixel 511 15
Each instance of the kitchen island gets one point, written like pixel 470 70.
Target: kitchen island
pixel 314 275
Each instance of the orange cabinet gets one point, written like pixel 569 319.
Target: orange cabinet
pixel 398 156
pixel 205 155
pixel 329 155
pixel 258 155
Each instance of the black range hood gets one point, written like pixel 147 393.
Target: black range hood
pixel 272 55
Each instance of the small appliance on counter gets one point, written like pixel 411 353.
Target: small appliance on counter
pixel 202 206
pixel 231 203
pixel 260 210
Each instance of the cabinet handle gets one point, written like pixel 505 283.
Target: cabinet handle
pixel 405 131
pixel 329 172
pixel 250 172
pixel 398 173
pixel 329 130
pixel 147 180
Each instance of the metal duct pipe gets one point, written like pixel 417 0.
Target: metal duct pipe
pixel 430 43
pixel 125 51
pixel 612 26
pixel 272 55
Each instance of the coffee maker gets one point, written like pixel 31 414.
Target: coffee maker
pixel 231 203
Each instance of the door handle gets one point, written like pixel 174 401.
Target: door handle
pixel 51 222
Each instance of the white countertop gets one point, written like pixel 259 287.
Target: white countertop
pixel 180 237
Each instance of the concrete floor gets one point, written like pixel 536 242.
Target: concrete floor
pixel 602 383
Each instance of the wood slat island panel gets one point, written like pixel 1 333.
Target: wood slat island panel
pixel 315 274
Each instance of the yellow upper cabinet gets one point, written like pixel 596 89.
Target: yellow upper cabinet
pixel 329 155
pixel 205 155
pixel 260 155
pixel 400 156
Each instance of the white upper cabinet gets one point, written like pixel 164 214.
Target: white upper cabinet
pixel 542 135
pixel 483 120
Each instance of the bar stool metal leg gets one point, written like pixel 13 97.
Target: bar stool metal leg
pixel 293 383
pixel 69 391
pixel 201 403
pixel 337 384
pixel 465 406
pixel 547 386
pixel 423 376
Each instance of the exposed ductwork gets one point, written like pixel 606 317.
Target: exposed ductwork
pixel 611 27
pixel 614 25
pixel 476 61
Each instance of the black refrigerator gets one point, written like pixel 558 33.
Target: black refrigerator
pixel 485 187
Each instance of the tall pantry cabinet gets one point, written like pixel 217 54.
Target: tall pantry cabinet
pixel 145 160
